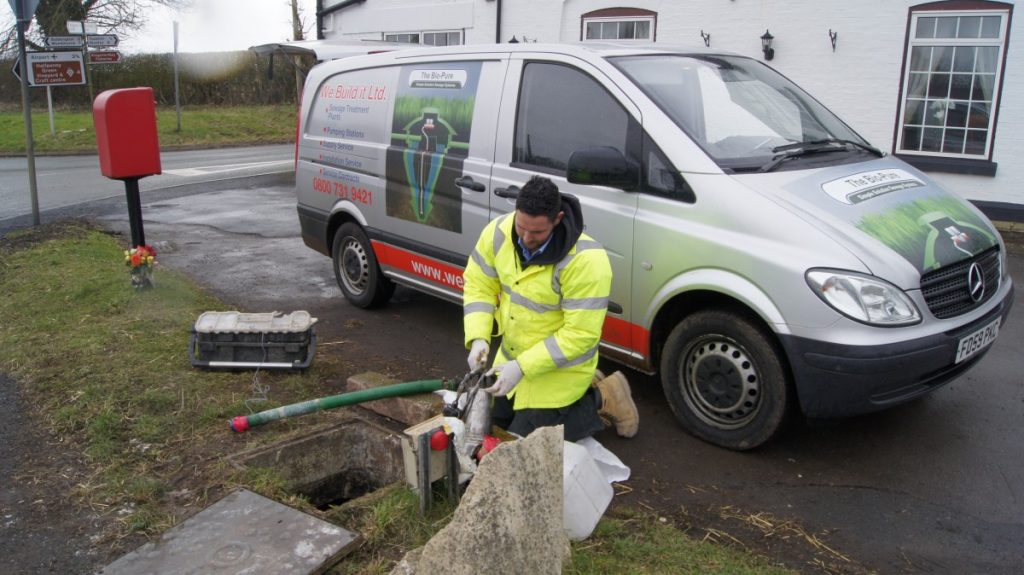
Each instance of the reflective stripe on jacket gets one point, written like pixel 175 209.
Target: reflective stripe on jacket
pixel 549 316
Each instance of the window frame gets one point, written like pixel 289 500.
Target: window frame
pixel 421 36
pixel 619 16
pixel 963 163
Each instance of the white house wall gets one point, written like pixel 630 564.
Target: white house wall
pixel 860 80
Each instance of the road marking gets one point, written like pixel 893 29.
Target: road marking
pixel 224 168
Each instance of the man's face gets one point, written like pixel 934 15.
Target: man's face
pixel 535 230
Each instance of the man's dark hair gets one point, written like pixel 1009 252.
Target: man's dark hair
pixel 539 197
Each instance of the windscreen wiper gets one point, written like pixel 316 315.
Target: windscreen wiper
pixel 797 149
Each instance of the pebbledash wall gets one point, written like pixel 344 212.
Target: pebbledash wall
pixel 955 110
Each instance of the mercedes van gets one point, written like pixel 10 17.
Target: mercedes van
pixel 768 260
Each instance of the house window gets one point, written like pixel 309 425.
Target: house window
pixel 619 24
pixel 445 38
pixel 953 70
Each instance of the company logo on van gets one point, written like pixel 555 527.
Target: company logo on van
pixel 453 79
pixel 856 188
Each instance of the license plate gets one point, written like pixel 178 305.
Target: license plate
pixel 977 341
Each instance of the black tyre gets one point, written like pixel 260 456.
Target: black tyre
pixel 356 269
pixel 724 380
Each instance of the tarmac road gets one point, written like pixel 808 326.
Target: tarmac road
pixel 936 486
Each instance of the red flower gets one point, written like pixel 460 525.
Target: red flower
pixel 136 259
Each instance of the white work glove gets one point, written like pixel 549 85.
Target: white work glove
pixel 478 351
pixel 509 375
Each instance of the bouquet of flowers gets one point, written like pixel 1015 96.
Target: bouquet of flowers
pixel 140 261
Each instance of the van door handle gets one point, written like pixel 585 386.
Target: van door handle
pixel 509 192
pixel 467 182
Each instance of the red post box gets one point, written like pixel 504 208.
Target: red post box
pixel 126 135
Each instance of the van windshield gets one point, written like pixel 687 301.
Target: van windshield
pixel 741 112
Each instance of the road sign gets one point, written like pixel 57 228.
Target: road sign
pixel 105 57
pixel 101 40
pixel 23 9
pixel 16 68
pixel 55 68
pixel 65 41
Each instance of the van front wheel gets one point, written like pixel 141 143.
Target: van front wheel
pixel 724 380
pixel 356 269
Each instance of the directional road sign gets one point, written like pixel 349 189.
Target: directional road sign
pixel 101 40
pixel 105 57
pixel 55 68
pixel 65 41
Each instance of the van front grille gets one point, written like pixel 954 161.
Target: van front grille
pixel 946 291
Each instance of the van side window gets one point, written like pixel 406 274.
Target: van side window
pixel 561 110
pixel 660 177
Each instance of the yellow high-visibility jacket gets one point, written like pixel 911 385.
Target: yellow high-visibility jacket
pixel 549 315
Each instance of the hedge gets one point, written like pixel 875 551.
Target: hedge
pixel 212 78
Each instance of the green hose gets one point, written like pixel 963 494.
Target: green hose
pixel 243 422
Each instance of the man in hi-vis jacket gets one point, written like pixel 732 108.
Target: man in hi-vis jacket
pixel 547 284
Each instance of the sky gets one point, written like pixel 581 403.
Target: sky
pixel 212 26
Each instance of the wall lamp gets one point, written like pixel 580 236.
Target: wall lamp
pixel 707 38
pixel 832 38
pixel 766 45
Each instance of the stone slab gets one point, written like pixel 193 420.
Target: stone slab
pixel 242 533
pixel 409 409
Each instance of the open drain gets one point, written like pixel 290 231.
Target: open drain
pixel 333 465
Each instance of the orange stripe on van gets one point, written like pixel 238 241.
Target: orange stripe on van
pixel 624 334
pixel 424 267
pixel 616 331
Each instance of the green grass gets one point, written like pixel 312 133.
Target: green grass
pixel 625 540
pixel 200 127
pixel 105 369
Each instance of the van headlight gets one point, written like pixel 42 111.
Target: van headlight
pixel 866 299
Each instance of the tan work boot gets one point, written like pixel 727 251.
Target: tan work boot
pixel 617 407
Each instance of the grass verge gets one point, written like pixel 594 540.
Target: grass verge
pixel 106 371
pixel 200 127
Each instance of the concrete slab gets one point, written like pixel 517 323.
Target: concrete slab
pixel 242 533
pixel 409 409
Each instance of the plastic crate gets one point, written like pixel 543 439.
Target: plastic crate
pixel 234 340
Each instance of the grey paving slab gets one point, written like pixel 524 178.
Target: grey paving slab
pixel 244 533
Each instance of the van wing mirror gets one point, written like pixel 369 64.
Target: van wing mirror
pixel 601 166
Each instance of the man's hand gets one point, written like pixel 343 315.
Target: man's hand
pixel 509 375
pixel 478 351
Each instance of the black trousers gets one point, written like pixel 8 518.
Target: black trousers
pixel 579 419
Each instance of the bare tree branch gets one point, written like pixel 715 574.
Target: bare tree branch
pixel 110 16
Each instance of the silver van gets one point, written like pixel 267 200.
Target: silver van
pixel 767 259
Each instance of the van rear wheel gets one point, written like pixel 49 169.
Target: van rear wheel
pixel 356 269
pixel 724 380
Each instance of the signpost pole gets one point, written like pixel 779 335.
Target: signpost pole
pixel 85 61
pixel 49 106
pixel 21 23
pixel 177 97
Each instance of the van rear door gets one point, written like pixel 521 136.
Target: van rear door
pixel 554 105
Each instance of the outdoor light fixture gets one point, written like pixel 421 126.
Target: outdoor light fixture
pixel 832 38
pixel 513 40
pixel 766 45
pixel 706 37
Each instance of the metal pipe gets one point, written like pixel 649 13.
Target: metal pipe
pixel 244 422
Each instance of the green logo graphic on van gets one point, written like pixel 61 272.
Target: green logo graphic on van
pixel 952 231
pixel 431 123
pixel 424 157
